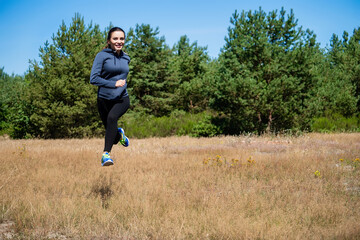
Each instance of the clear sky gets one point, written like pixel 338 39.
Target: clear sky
pixel 25 25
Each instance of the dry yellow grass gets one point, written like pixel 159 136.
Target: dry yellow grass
pixel 182 188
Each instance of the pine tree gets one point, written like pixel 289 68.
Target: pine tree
pixel 64 102
pixel 351 62
pixel 336 89
pixel 148 83
pixel 188 66
pixel 267 67
pixel 14 110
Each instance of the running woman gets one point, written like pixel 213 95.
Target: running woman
pixel 109 72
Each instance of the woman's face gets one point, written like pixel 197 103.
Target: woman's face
pixel 117 41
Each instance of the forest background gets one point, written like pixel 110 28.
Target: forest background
pixel 271 76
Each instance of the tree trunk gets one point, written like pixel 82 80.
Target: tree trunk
pixel 268 128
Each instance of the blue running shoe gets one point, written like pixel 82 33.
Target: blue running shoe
pixel 123 139
pixel 106 160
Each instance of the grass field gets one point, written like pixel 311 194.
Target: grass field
pixel 245 187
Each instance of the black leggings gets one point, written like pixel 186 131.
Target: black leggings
pixel 110 112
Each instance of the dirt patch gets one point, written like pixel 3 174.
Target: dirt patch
pixel 6 231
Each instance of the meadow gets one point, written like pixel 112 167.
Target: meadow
pixel 233 187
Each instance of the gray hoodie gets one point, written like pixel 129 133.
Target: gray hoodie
pixel 108 67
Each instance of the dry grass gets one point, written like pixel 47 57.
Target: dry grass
pixel 182 188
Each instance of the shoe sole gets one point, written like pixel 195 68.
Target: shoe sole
pixel 107 163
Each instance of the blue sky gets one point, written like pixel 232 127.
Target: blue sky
pixel 25 25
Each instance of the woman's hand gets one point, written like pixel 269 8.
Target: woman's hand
pixel 120 83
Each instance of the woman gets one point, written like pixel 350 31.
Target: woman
pixel 109 73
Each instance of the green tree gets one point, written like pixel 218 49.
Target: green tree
pixel 148 81
pixel 344 73
pixel 14 110
pixel 267 69
pixel 4 99
pixel 353 62
pixel 64 102
pixel 335 91
pixel 188 66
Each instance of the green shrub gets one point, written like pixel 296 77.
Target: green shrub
pixel 140 125
pixel 336 123
pixel 205 128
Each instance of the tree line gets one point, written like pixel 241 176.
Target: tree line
pixel 271 75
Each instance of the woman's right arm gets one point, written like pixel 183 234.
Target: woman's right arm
pixel 95 76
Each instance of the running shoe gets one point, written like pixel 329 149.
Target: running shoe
pixel 123 139
pixel 106 160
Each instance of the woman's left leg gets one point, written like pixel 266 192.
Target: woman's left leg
pixel 112 135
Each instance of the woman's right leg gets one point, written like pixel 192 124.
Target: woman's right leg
pixel 104 108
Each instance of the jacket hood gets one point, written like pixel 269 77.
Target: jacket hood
pixel 109 50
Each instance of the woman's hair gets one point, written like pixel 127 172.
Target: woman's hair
pixel 114 29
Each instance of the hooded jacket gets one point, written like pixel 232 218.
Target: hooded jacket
pixel 109 67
